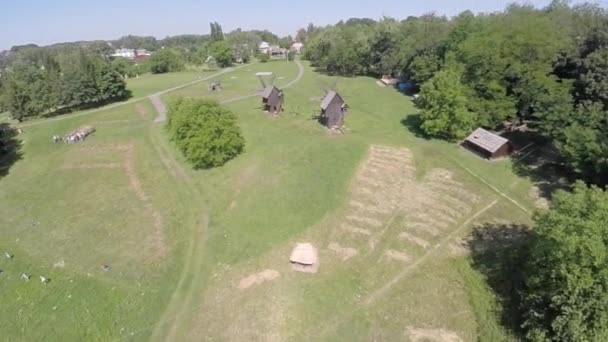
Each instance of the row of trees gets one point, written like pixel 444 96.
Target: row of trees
pixel 546 67
pixel 45 81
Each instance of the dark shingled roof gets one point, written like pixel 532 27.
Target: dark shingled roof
pixel 328 98
pixel 486 140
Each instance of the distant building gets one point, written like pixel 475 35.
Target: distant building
pixel 488 144
pixel 264 47
pixel 126 53
pixel 137 55
pixel 277 52
pixel 297 47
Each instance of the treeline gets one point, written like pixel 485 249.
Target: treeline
pixel 47 81
pixel 61 77
pixel 545 68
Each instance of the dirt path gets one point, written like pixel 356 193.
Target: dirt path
pixel 291 83
pixel 162 92
pixel 160 107
pixel 191 275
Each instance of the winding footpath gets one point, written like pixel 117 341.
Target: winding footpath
pixel 174 320
pixel 291 83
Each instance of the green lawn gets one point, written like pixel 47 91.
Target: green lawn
pixel 151 83
pixel 180 241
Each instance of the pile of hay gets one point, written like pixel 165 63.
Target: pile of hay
pixel 304 258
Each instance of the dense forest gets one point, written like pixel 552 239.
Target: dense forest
pixel 40 81
pixel 543 69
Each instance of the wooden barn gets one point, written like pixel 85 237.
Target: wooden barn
pixel 333 110
pixel 488 144
pixel 272 99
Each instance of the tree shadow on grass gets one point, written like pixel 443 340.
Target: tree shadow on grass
pixel 538 161
pixel 412 122
pixel 10 148
pixel 499 251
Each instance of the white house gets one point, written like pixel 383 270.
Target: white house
pixel 264 47
pixel 297 47
pixel 131 53
pixel 126 53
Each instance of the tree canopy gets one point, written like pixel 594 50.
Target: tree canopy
pixel 222 52
pixel 566 276
pixel 166 60
pixel 42 81
pixel 205 132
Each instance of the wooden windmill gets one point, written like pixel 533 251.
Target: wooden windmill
pixel 333 108
pixel 272 97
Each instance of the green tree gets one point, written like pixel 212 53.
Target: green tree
pixel 100 48
pixel 124 66
pixel 110 84
pixel 166 60
pixel 205 132
pixel 594 79
pixel 222 52
pixel 216 32
pixel 443 103
pixel 566 275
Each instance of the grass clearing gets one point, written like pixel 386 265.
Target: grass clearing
pixel 84 205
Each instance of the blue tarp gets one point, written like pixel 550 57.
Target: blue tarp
pixel 406 86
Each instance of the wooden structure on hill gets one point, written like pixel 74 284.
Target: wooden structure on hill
pixel 333 110
pixel 488 144
pixel 272 99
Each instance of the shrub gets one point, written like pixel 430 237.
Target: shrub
pixel 262 57
pixel 206 133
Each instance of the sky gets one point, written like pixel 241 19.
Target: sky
pixel 47 22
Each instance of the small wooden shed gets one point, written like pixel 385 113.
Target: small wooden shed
pixel 272 99
pixel 488 144
pixel 333 110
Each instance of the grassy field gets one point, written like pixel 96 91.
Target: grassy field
pixel 189 251
pixel 150 83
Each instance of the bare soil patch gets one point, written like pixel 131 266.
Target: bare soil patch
pixel 432 335
pixel 344 253
pixel 258 278
pixel 397 255
pixel 540 202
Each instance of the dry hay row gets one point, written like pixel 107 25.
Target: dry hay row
pixel 377 193
pixel 384 186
